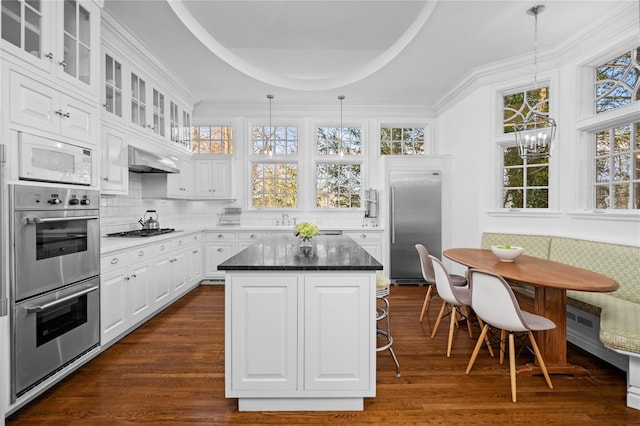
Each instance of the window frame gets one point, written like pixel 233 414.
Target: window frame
pixel 502 140
pixel 253 159
pixel 336 159
pixel 589 123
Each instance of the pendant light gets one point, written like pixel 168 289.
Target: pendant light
pixel 340 150
pixel 535 134
pixel 270 141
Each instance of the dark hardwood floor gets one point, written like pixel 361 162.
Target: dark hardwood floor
pixel 171 371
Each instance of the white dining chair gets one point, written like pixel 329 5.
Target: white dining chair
pixel 494 301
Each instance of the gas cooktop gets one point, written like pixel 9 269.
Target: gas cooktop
pixel 142 232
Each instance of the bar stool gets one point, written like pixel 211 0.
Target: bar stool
pixel 382 314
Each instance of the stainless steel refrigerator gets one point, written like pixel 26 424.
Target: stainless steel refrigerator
pixel 415 217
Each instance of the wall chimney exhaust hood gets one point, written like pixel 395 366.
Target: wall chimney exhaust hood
pixel 142 161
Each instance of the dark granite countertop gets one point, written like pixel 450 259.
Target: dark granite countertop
pixel 282 253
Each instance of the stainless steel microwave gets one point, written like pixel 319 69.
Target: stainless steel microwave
pixel 47 160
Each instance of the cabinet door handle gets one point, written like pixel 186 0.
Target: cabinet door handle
pixel 114 260
pixel 106 179
pixel 220 236
pixel 195 252
pixel 363 235
pixel 63 64
pixel 253 236
pixel 133 275
pixel 220 250
pixel 127 278
pixel 49 55
pixel 141 253
pixel 162 247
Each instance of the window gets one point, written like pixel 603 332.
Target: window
pixel 618 81
pixel 614 140
pixel 158 112
pixel 525 184
pixel 173 122
pixel 274 167
pixel 402 141
pixel 274 185
pixel 617 167
pixel 337 141
pixel 338 180
pixel 113 86
pixel 138 101
pixel 212 140
pixel 338 185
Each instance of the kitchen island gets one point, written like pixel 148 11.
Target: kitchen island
pixel 300 331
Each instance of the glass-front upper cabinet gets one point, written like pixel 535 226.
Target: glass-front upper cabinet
pixel 112 85
pixel 59 37
pixel 138 101
pixel 158 113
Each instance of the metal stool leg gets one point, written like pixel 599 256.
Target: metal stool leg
pixel 382 313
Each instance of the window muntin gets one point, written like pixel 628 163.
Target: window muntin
pixel 338 141
pixel 525 184
pixel 138 101
pixel 274 185
pixel 617 82
pixel 402 141
pixel 522 105
pixel 213 140
pixel 338 185
pixel 617 167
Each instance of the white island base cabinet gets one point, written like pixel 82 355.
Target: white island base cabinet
pixel 300 340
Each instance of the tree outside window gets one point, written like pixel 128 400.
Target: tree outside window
pixel 212 140
pixel 402 141
pixel 525 184
pixel 618 82
pixel 617 167
pixel 338 185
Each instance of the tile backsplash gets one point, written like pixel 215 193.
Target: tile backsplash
pixel 121 213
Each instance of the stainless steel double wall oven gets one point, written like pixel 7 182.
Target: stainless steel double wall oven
pixel 55 235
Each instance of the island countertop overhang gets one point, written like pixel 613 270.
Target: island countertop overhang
pixel 282 253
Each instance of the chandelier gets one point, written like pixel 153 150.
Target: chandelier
pixel 535 134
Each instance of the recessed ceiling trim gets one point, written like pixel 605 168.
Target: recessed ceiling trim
pixel 319 83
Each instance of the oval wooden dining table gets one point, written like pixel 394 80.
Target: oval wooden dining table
pixel 551 280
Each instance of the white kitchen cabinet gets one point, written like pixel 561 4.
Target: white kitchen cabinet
pixel 41 107
pixel 194 259
pixel 170 185
pixel 371 241
pixel 163 276
pixel 264 326
pixel 125 297
pixel 219 246
pixel 61 38
pixel 299 339
pixel 213 178
pixel 114 178
pixel 249 238
pixel 113 89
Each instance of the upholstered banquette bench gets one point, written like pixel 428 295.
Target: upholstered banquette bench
pixel 604 324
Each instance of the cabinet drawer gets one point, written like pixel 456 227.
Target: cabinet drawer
pixel 220 236
pixel 364 236
pixel 252 235
pixel 113 261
